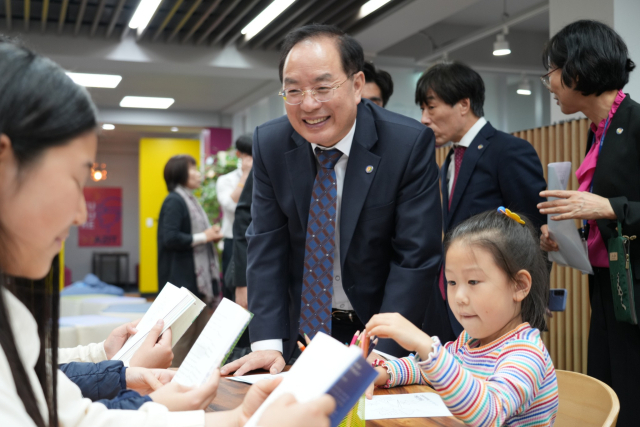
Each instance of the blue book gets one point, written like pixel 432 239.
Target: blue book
pixel 325 367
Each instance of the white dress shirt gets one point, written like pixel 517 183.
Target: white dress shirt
pixel 340 299
pixel 466 141
pixel 225 185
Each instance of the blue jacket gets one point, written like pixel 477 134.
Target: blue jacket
pixel 390 223
pixel 104 382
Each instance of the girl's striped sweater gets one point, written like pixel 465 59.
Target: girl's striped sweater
pixel 510 382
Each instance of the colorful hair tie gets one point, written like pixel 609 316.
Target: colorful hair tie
pixel 512 215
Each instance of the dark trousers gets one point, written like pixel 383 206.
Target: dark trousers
pixel 614 349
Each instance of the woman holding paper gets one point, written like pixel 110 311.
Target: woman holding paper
pixel 48 143
pixel 588 67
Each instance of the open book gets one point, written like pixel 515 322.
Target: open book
pixel 178 308
pixel 325 367
pixel 214 344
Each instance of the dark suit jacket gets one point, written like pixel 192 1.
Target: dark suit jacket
pixel 497 169
pixel 175 255
pixel 240 225
pixel 390 223
pixel 617 177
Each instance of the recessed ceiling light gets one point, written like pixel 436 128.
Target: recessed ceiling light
pixel 143 14
pixel 266 16
pixel 146 102
pixel 108 126
pixel 174 129
pixel 370 7
pixel 108 81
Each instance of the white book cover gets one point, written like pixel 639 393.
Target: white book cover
pixel 214 344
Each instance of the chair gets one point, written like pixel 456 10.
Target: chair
pixel 585 401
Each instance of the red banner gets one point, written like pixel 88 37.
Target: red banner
pixel 104 217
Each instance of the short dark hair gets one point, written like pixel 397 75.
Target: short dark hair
pixel 372 74
pixel 452 82
pixel 514 247
pixel 591 55
pixel 176 171
pixel 244 144
pixel 351 52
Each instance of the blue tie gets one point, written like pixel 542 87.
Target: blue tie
pixel 317 280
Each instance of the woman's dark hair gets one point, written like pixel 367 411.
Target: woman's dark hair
pixel 176 171
pixel 452 82
pixel 593 58
pixel 381 78
pixel 351 53
pixel 244 144
pixel 40 108
pixel 514 247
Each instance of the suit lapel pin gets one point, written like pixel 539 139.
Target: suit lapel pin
pixel 369 169
pixel 480 147
pixel 619 131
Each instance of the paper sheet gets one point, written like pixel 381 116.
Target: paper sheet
pixel 415 405
pixel 385 355
pixel 573 252
pixel 169 305
pixel 214 343
pixel 252 379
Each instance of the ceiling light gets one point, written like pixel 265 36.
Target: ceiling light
pixel 99 172
pixel 370 7
pixel 146 102
pixel 266 16
pixel 501 45
pixel 107 126
pixel 143 14
pixel 174 129
pixel 95 80
pixel 524 88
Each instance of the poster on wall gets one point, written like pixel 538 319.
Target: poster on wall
pixel 104 217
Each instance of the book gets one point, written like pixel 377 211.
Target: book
pixel 177 307
pixel 325 367
pixel 215 343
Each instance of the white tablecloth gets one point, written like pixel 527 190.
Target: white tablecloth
pixel 97 305
pixel 88 329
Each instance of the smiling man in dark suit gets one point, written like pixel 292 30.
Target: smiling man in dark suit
pixel 485 168
pixel 346 207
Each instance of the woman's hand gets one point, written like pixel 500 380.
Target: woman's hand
pixel 546 242
pixel 177 397
pixel 402 331
pixel 154 353
pixel 118 337
pixel 576 205
pixel 213 234
pixel 146 381
pixel 255 397
pixel 287 412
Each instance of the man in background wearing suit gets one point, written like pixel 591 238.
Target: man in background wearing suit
pixel 346 207
pixel 485 168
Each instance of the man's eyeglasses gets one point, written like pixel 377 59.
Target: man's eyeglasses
pixel 545 79
pixel 319 93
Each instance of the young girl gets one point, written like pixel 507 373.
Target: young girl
pixel 498 372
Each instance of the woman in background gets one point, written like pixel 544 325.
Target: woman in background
pixel 186 252
pixel 588 66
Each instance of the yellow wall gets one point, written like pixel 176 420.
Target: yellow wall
pixel 154 154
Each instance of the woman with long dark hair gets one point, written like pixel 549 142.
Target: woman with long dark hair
pixel 588 66
pixel 48 143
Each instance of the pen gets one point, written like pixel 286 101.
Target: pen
pixel 355 337
pixel 373 345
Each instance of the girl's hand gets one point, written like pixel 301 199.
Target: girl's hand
pixel 381 379
pixel 154 352
pixel 118 337
pixel 287 412
pixel 142 380
pixel 402 331
pixel 576 205
pixel 177 397
pixel 255 397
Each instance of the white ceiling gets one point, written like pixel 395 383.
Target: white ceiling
pixel 490 12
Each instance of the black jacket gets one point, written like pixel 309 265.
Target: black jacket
pixel 617 177
pixel 240 225
pixel 175 254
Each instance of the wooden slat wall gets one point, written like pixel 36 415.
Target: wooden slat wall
pixel 568 332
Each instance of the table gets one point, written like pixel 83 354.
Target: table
pixel 231 393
